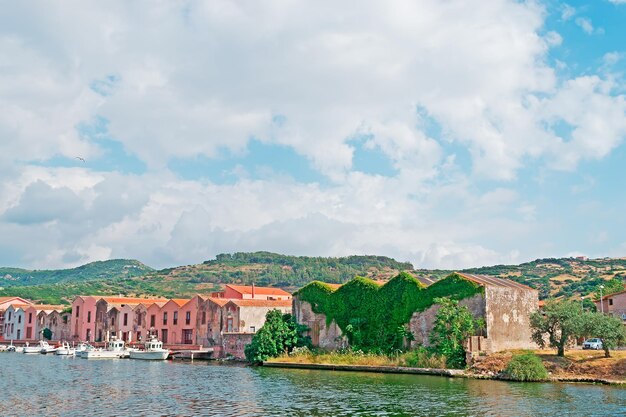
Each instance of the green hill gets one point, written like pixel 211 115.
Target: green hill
pixel 564 277
pixel 101 270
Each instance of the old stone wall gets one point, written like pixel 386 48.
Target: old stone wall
pixel 422 323
pixel 234 344
pixel 507 316
pixel 327 336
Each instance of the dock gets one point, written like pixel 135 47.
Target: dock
pixel 192 354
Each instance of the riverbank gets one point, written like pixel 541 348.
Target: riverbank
pixel 576 366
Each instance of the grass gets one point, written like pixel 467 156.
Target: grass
pixel 419 358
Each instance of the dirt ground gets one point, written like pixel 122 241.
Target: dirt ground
pixel 576 364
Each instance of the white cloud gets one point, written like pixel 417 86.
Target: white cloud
pixel 179 80
pixel 585 24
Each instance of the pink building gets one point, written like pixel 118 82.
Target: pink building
pixel 613 304
pixel 32 327
pixel 5 302
pixel 251 292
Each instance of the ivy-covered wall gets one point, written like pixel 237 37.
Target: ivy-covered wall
pixel 374 317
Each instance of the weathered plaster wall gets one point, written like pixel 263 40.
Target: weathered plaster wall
pixel 322 335
pixel 234 344
pixel 422 323
pixel 507 316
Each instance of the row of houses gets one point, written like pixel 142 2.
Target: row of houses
pixel 20 319
pixel 225 320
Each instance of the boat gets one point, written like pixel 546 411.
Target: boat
pixel 31 349
pixel 153 350
pixel 65 350
pixel 45 347
pixel 82 348
pixel 114 349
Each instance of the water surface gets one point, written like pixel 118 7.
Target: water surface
pixel 51 385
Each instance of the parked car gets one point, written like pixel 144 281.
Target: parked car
pixel 594 343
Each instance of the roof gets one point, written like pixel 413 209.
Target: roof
pixel 219 301
pixel 4 300
pixel 610 295
pixel 181 301
pixel 247 289
pixel 131 300
pixel 48 307
pixel 260 303
pixel 489 281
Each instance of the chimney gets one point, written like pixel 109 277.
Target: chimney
pixel 253 290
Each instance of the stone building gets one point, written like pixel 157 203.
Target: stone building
pixel 504 305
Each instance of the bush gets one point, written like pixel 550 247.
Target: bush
pixel 526 367
pixel 422 358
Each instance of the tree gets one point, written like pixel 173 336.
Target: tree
pixel 47 333
pixel 610 287
pixel 453 325
pixel 560 321
pixel 280 334
pixel 606 328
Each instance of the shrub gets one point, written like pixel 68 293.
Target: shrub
pixel 526 367
pixel 422 358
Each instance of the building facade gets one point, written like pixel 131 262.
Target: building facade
pixel 613 304
pixel 5 302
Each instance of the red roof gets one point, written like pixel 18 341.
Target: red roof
pixel 604 297
pixel 247 289
pixel 260 303
pixel 181 301
pixel 131 300
pixel 219 301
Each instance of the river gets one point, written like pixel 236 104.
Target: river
pixel 52 385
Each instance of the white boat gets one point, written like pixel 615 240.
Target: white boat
pixel 31 349
pixel 45 347
pixel 153 350
pixel 113 350
pixel 65 350
pixel 82 348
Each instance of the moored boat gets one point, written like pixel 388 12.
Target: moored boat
pixel 31 349
pixel 45 347
pixel 65 350
pixel 114 349
pixel 153 350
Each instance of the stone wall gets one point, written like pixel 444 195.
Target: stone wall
pixel 507 316
pixel 422 323
pixel 234 344
pixel 327 336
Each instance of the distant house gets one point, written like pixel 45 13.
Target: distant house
pixel 14 323
pixel 32 317
pixel 251 292
pixel 613 304
pixel 5 302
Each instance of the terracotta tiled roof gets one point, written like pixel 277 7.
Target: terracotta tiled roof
pixel 181 301
pixel 49 307
pixel 486 280
pixel 219 301
pixel 247 289
pixel 131 300
pixel 18 300
pixel 260 303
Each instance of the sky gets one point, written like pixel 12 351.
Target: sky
pixel 450 134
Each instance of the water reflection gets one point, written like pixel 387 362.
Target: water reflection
pixel 38 385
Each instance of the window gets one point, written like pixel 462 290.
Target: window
pixel 187 336
pixel 89 317
pixel 30 317
pixel 77 311
pixel 204 317
pixel 188 317
pixel 610 301
pixel 175 319
pixel 19 319
pixel 165 319
pixel 9 316
pixel 152 320
pixel 164 335
pixel 125 319
pixel 252 329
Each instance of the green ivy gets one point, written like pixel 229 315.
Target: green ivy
pixel 375 318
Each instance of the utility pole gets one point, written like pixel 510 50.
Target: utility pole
pixel 601 300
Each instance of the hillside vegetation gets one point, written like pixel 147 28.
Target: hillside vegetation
pixel 565 277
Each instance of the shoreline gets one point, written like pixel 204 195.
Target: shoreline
pixel 452 373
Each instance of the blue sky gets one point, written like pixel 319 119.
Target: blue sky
pixel 449 135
